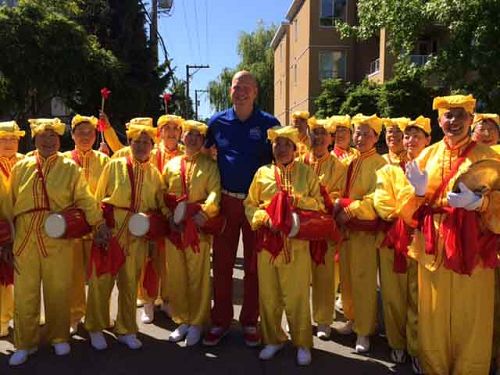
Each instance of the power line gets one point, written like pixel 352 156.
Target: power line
pixel 187 29
pixel 207 50
pixel 197 28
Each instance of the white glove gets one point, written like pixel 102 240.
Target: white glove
pixel 465 199
pixel 419 179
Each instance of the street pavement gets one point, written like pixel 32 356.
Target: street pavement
pixel 335 356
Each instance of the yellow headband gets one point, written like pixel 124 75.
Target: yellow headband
pixel 144 121
pixel 39 125
pixel 340 121
pixel 400 122
pixel 78 119
pixel 140 125
pixel 443 103
pixel 422 123
pixel 314 123
pixel 304 115
pixel 478 117
pixel 10 128
pixel 189 125
pixel 372 121
pixel 165 119
pixel 288 132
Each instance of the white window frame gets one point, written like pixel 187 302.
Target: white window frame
pixel 331 52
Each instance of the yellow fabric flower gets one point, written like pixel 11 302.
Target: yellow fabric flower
pixel 421 122
pixel 478 117
pixel 340 121
pixel 39 125
pixel 314 123
pixel 144 121
pixel 10 128
pixel 443 103
pixel 140 125
pixel 78 119
pixel 165 119
pixel 372 121
pixel 194 125
pixel 400 122
pixel 301 114
pixel 288 132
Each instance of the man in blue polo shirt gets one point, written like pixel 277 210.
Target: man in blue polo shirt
pixel 240 136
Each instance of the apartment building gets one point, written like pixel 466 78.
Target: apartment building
pixel 308 49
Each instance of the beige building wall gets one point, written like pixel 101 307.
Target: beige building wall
pixel 281 76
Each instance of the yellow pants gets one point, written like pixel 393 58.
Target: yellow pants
pixel 189 282
pixel 358 267
pixel 324 288
pixel 496 344
pixel 285 287
pixel 455 321
pixel 6 308
pixel 100 288
pixel 81 252
pixel 159 262
pixel 55 273
pixel 400 302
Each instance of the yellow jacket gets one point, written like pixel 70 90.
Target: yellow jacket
pixel 437 161
pixel 112 139
pixel 297 178
pixel 330 171
pixel 394 159
pixel 159 155
pixel 361 185
pixel 203 181
pixel 303 146
pixel 66 187
pixel 6 165
pixel 92 164
pixel 391 180
pixel 345 156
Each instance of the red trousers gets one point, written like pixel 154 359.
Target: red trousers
pixel 225 247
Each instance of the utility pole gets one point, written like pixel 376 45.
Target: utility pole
pixel 188 78
pixel 196 102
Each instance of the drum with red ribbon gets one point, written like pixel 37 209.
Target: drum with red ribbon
pixel 313 226
pixel 152 226
pixel 213 225
pixel 67 224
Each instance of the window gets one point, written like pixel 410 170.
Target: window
pixel 332 65
pixel 331 11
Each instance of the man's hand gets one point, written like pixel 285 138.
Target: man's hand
pixel 200 219
pixel 103 147
pixel 419 179
pixel 465 199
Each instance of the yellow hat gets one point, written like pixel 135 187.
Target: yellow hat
pixel 288 132
pixel 10 128
pixel 139 125
pixel 340 121
pixel 194 125
pixel 39 125
pixel 478 117
pixel 78 119
pixel 165 119
pixel 372 121
pixel 421 122
pixel 314 123
pixel 443 103
pixel 400 122
pixel 304 115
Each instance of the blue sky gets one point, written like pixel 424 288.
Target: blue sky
pixel 206 32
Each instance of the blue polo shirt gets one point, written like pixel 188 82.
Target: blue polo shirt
pixel 242 147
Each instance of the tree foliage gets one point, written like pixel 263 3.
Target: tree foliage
pixel 256 56
pixel 333 94
pixel 362 98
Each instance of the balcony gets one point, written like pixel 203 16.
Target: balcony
pixel 419 60
pixel 374 67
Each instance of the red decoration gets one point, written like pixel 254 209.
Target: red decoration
pixel 167 97
pixel 105 92
pixel 101 124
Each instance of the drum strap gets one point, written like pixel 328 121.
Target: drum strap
pixel 130 170
pixel 76 157
pixel 42 178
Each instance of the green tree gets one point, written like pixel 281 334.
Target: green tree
pixel 362 98
pixel 257 57
pixel 333 94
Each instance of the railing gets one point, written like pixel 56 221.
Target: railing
pixel 374 67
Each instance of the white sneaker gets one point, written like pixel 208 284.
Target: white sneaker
pixel 362 344
pixel 98 341
pixel 21 356
pixel 179 333
pixel 131 341
pixel 193 335
pixel 304 356
pixel 165 307
pixel 324 332
pixel 398 355
pixel 346 329
pixel 148 313
pixel 270 351
pixel 415 365
pixel 62 348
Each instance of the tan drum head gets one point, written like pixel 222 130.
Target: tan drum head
pixel 295 225
pixel 180 212
pixel 55 225
pixel 138 225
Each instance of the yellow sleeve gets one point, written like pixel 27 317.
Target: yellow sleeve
pixel 160 201
pixel 313 201
pixel 112 139
pixel 490 211
pixel 257 217
pixel 84 200
pixel 211 205
pixel 102 186
pixel 362 209
pixel 384 198
pixel 337 180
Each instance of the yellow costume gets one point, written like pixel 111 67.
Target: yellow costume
pixel 358 269
pixel 284 281
pixel 455 311
pixel 189 270
pixel 331 173
pixel 41 259
pixel 114 188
